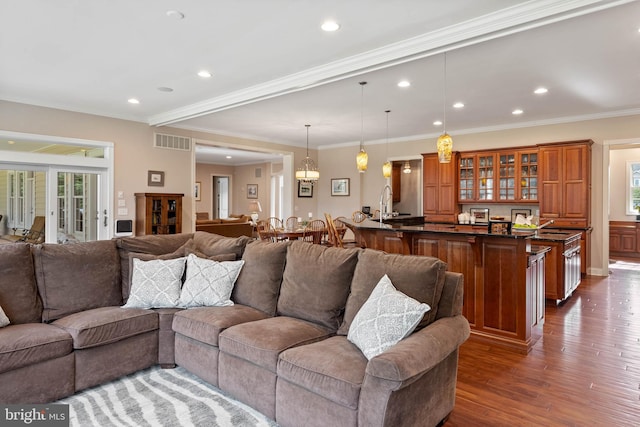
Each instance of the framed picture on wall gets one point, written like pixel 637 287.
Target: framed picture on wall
pixel 339 186
pixel 252 191
pixel 196 192
pixel 155 179
pixel 305 189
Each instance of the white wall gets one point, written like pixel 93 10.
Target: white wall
pixel 618 178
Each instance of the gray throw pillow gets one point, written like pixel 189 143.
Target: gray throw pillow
pixel 209 283
pixel 156 283
pixel 4 320
pixel 386 317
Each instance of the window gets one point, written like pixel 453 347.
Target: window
pixel 633 189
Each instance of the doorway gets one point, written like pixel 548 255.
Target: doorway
pixel 220 196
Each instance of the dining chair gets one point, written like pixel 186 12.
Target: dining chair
pixel 266 232
pixel 333 236
pixel 358 216
pixel 275 222
pixel 313 231
pixel 342 230
pixel 291 223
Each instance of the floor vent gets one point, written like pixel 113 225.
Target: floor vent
pixel 172 142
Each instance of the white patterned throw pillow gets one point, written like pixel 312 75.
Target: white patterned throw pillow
pixel 156 283
pixel 209 283
pixel 386 317
pixel 4 320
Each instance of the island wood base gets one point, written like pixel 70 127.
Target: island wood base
pixel 503 277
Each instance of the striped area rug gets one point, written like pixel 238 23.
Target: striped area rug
pixel 160 397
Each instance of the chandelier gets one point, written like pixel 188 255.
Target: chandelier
pixel 308 172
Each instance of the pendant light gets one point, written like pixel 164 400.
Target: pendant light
pixel 386 167
pixel 445 142
pixel 407 167
pixel 308 172
pixel 362 158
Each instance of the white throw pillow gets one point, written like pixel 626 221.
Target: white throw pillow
pixel 209 283
pixel 386 317
pixel 4 320
pixel 156 283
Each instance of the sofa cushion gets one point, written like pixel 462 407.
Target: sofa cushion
pixel 261 342
pixel 333 368
pixel 156 283
pixel 420 277
pixel 214 244
pixel 384 319
pixel 29 343
pixel 205 324
pixel 106 325
pixel 4 320
pixel 148 244
pixel 18 291
pixel 188 248
pixel 209 283
pixel 258 284
pixel 77 277
pixel 316 282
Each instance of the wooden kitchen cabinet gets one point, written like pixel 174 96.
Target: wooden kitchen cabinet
pixel 396 182
pixel 440 188
pixel 158 213
pixel 623 239
pixel 565 183
pixel 476 182
pixel 503 176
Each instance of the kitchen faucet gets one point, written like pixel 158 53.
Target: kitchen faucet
pixel 384 203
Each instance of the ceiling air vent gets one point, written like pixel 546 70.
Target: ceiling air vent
pixel 172 142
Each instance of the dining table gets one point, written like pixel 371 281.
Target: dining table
pixel 298 233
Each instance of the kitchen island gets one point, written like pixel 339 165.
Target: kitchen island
pixel 504 291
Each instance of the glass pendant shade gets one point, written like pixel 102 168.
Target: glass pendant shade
pixel 386 169
pixel 308 170
pixel 445 142
pixel 361 161
pixel 445 145
pixel 406 168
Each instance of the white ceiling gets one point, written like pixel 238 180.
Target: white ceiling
pixel 274 70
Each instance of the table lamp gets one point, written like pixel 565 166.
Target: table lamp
pixel 255 207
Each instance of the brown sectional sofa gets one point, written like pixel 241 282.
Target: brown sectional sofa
pixel 282 347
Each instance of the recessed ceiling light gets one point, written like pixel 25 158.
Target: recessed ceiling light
pixel 204 74
pixel 175 14
pixel 540 90
pixel 458 105
pixel 330 26
pixel 517 111
pixel 404 83
pixel 228 157
pixel 11 142
pixel 133 101
pixel 165 89
pixel 437 123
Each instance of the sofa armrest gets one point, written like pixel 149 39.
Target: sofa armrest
pixel 418 353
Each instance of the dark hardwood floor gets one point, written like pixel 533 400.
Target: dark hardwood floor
pixel 584 371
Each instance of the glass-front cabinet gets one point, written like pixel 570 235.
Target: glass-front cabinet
pixel 485 176
pixel 158 213
pixel 498 176
pixel 466 173
pixel 528 163
pixel 507 176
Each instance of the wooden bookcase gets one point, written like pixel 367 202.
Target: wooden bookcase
pixel 158 213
